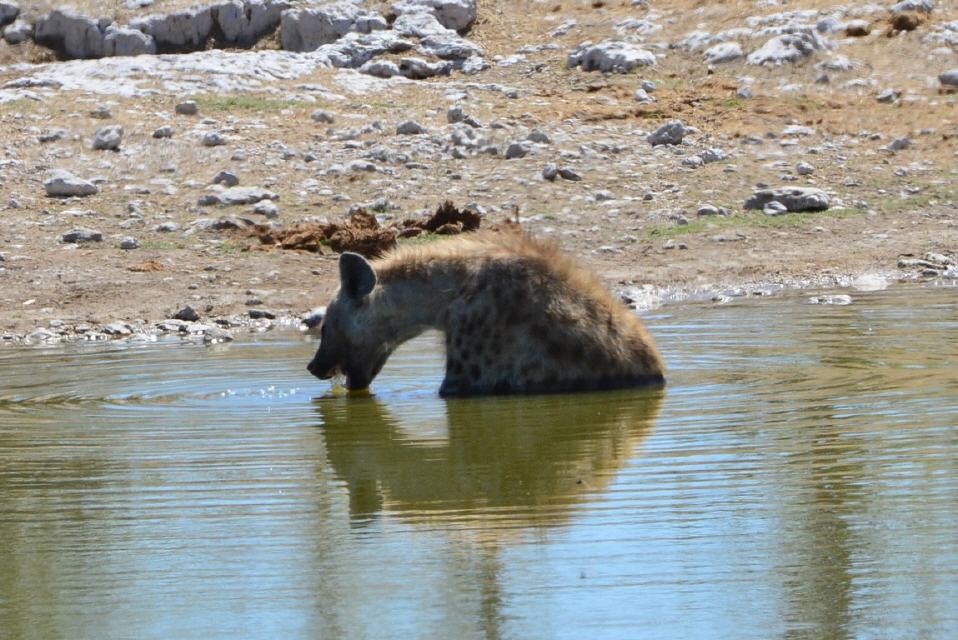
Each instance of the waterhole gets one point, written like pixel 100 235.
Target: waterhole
pixel 798 478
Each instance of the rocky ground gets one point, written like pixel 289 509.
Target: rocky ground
pixel 657 141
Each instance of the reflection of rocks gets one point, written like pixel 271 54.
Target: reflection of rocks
pixel 505 453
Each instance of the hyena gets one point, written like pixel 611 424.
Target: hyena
pixel 518 316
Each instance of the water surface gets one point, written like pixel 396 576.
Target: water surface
pixel 797 479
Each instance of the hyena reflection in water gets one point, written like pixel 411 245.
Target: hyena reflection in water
pixel 518 316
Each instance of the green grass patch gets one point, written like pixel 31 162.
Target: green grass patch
pixel 247 103
pixel 162 245
pixel 750 220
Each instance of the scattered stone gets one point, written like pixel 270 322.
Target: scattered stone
pixel 121 41
pixel 642 96
pixel 165 131
pixel 787 48
pixel 310 28
pixel 52 135
pixel 458 15
pixel 69 34
pixel 949 78
pixel 792 198
pixel 213 139
pixel 888 96
pixel 108 138
pixel 266 208
pixel 63 184
pixel 713 155
pixel 724 52
pixel 923 6
pixel 261 314
pixel 550 172
pixel 899 144
pixel 841 299
pixel 81 235
pixel 187 314
pixel 166 227
pixel 410 128
pixel 234 196
pixel 707 210
pixel 226 178
pixel 744 93
pixel 18 32
pixel 569 174
pixel 101 112
pixel 774 208
pixel 671 133
pixel 804 169
pixel 188 108
pixel 8 13
pixel 517 150
pixel 858 28
pixel 129 243
pixel 539 137
pixel 322 116
pixel 609 56
pixel 649 86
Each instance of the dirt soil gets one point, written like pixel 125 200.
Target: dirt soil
pixel 633 217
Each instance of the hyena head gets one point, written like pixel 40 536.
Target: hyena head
pixel 350 341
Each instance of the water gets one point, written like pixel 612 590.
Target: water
pixel 797 479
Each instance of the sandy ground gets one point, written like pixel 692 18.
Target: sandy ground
pixel 633 217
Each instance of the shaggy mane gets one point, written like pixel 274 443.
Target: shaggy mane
pixel 410 261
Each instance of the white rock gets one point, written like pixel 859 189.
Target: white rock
pixel 309 29
pixel 786 48
pixel 64 184
pixel 19 31
pixel 108 138
pixel 244 22
pixel 70 34
pixel 118 41
pixel 724 52
pixel 620 57
pixel 458 15
pixel 180 31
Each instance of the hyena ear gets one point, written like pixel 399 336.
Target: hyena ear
pixel 356 275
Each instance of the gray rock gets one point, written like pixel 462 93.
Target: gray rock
pixel 213 139
pixel 517 150
pixel 187 108
pixel 899 144
pixel 69 34
pixel 226 178
pixel 539 137
pixel 744 93
pixel 550 172
pixel 888 96
pixel 609 56
pixel 671 133
pixel 18 32
pixel 267 208
pixel 792 198
pixel 787 48
pixel 52 135
pixel 101 112
pixel 774 208
pixel 804 169
pixel 166 227
pixel 449 46
pixel 216 335
pixel 178 32
pixel 418 69
pixel 308 29
pixel 569 174
pixel 8 13
pixel 455 114
pixel 63 184
pixel 419 24
pixel 380 68
pixel 244 22
pixel 119 41
pixel 129 243
pixel 324 117
pixel 238 196
pixel 724 52
pixel 693 162
pixel 261 314
pixel 187 314
pixel 165 131
pixel 949 78
pixel 649 86
pixel 642 96
pixel 923 6
pixel 108 138
pixel 713 155
pixel 410 128
pixel 708 210
pixel 80 235
pixel 356 49
pixel 458 15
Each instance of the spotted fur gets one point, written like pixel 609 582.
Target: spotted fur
pixel 519 316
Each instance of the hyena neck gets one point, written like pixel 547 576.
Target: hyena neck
pixel 409 304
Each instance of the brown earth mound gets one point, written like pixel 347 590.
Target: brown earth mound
pixel 363 234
